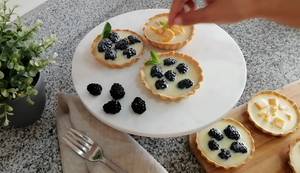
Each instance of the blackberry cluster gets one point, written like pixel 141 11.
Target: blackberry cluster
pixel 110 54
pixel 185 84
pixel 216 134
pixel 114 37
pixel 231 132
pixel 161 84
pixel 156 72
pixel 117 91
pixel 94 89
pixel 138 105
pixel 238 147
pixel 112 107
pixel 169 61
pixel 133 39
pixel 182 68
pixel 122 44
pixel 170 75
pixel 104 45
pixel 213 145
pixel 129 52
pixel 224 154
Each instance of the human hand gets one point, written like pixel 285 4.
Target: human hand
pixel 230 11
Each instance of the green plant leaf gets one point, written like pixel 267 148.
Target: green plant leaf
pixel 1 75
pixel 106 30
pixel 164 24
pixel 155 59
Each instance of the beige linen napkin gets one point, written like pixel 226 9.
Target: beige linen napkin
pixel 119 147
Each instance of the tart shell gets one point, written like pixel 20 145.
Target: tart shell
pixel 166 45
pixel 237 123
pixel 187 58
pixel 269 92
pixel 290 154
pixel 99 57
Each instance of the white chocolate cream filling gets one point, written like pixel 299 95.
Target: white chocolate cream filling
pixel 273 113
pixel 154 36
pixel 236 159
pixel 122 59
pixel 172 90
pixel 295 157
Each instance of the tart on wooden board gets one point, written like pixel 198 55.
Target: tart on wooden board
pixel 117 48
pixel 162 36
pixel 225 143
pixel 171 75
pixel 294 156
pixel 273 113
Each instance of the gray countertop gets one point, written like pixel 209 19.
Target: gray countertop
pixel 272 53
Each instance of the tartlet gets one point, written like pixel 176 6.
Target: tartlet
pixel 226 143
pixel 294 156
pixel 177 76
pixel 121 49
pixel 161 36
pixel 273 113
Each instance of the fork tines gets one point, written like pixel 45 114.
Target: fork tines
pixel 78 142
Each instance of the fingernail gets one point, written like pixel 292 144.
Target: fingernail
pixel 178 21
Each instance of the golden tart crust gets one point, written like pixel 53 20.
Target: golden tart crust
pixel 291 161
pixel 236 124
pixel 100 58
pixel 184 58
pixel 277 121
pixel 166 45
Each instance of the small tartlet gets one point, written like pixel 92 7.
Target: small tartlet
pixel 114 64
pixel 273 113
pixel 194 68
pixel 245 137
pixel 294 156
pixel 174 44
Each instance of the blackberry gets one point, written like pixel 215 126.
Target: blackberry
pixel 156 72
pixel 110 54
pixel 238 147
pixel 133 39
pixel 182 68
pixel 216 134
pixel 170 75
pixel 138 105
pixel 213 145
pixel 224 154
pixel 114 37
pixel 169 61
pixel 117 91
pixel 94 89
pixel 122 44
pixel 161 84
pixel 185 84
pixel 129 52
pixel 112 107
pixel 104 45
pixel 232 133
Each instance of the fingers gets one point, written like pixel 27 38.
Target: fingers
pixel 177 7
pixel 180 6
pixel 218 11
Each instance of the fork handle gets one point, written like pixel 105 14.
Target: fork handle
pixel 113 166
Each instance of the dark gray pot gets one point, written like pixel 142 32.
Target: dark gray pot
pixel 24 113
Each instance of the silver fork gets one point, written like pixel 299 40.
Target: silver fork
pixel 85 147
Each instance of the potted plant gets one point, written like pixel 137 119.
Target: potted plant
pixel 22 95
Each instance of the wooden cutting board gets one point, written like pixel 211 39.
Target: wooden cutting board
pixel 271 154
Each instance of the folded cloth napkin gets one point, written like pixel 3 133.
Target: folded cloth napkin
pixel 118 147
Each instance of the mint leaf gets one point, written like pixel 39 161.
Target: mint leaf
pixel 106 30
pixel 164 24
pixel 155 59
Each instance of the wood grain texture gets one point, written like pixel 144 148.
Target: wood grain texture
pixel 271 154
